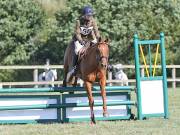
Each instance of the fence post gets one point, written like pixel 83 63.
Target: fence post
pixel 163 65
pixel 142 72
pixel 35 77
pixel 174 77
pixel 110 78
pixel 137 72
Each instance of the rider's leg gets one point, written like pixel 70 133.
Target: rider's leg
pixel 73 72
pixel 75 61
pixel 78 47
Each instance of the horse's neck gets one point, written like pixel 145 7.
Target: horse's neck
pixel 89 63
pixel 92 55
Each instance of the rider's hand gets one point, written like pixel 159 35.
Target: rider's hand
pixel 92 43
pixel 82 50
pixel 87 43
pixel 83 43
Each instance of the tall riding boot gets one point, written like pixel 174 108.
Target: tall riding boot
pixel 73 72
pixel 75 60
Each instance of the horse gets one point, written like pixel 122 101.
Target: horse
pixel 120 75
pixel 49 75
pixel 91 67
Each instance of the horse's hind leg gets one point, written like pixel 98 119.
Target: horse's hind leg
pixel 64 82
pixel 65 76
pixel 75 82
pixel 88 87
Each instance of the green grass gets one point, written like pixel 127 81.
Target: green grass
pixel 152 126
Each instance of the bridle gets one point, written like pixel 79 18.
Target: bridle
pixel 100 56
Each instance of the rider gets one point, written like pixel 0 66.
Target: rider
pixel 86 31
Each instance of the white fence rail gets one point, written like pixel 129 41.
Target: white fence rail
pixel 174 79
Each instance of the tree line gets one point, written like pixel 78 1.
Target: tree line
pixel 31 32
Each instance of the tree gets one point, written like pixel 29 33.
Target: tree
pixel 19 24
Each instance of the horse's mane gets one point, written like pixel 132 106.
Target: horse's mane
pixel 89 49
pixel 94 46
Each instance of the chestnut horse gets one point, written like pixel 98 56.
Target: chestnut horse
pixel 91 67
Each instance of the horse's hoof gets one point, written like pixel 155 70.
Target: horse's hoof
pixel 93 123
pixel 106 114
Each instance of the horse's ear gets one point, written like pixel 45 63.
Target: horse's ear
pixel 106 40
pixel 99 39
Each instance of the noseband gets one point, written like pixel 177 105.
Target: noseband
pixel 105 57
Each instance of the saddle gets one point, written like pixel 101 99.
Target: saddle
pixel 81 55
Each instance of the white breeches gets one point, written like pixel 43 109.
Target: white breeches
pixel 94 41
pixel 78 45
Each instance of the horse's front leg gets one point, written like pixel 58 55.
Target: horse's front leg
pixel 88 87
pixel 102 83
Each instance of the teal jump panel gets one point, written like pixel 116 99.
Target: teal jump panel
pixel 116 111
pixel 12 111
pixel 56 105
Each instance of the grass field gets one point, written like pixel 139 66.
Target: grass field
pixel 152 126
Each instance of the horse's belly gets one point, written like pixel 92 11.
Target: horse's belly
pixel 90 77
